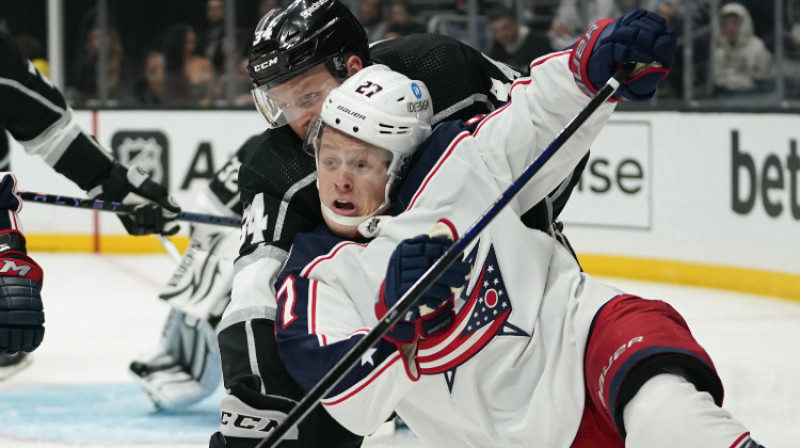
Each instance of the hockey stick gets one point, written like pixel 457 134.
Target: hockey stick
pixel 335 375
pixel 169 246
pixel 117 207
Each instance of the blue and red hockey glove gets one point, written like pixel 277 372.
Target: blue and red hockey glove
pixel 639 36
pixel 408 262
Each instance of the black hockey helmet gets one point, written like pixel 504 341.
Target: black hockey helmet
pixel 306 33
pixel 292 40
pixel 289 41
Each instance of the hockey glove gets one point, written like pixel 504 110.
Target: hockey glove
pixel 21 311
pixel 638 36
pixel 433 312
pixel 155 210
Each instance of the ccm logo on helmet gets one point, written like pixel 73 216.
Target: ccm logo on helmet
pixel 265 64
pixel 311 8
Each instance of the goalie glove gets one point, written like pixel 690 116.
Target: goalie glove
pixel 21 310
pixel 155 210
pixel 433 312
pixel 638 36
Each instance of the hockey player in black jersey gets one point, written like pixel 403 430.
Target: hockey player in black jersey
pixel 35 114
pixel 300 53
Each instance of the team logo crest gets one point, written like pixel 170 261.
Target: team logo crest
pixel 147 150
pixel 483 316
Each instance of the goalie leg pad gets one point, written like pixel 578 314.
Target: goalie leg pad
pixel 185 368
pixel 201 284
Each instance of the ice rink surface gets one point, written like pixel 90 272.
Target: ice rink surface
pixel 103 310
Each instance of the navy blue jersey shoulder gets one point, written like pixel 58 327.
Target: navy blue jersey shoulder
pixel 308 246
pixel 424 159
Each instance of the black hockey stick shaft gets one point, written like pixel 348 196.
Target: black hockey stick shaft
pixel 118 207
pixel 335 375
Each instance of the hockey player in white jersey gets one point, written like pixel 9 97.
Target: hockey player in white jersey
pixel 532 352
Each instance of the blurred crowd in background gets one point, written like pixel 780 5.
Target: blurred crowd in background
pixel 193 53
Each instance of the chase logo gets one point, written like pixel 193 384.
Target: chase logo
pixel 416 90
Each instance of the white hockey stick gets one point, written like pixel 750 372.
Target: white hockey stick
pixel 169 246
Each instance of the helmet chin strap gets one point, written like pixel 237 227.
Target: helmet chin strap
pixel 350 221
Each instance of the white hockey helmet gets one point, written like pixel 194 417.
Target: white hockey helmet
pixel 383 108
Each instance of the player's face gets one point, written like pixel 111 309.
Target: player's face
pixel 300 98
pixel 352 177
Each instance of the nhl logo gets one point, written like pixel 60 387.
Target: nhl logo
pixel 148 150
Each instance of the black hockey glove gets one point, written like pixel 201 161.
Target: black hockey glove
pixel 21 312
pixel 155 212
pixel 433 312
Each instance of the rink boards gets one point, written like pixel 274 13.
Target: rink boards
pixel 700 198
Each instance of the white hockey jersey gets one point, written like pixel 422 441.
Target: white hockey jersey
pixel 509 373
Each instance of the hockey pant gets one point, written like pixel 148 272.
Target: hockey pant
pixel 641 353
pixel 185 367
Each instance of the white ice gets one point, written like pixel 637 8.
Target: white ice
pixel 103 310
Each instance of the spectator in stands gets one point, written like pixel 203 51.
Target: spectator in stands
pixel 402 21
pixel 513 43
pixel 149 88
pixel 791 45
pixel 741 62
pixel 84 76
pixel 459 29
pixel 189 79
pixel 762 15
pixel 211 36
pixel 242 84
pixel 574 17
pixel 370 15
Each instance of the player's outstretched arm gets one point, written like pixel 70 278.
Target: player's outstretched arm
pixel 21 312
pixel 36 114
